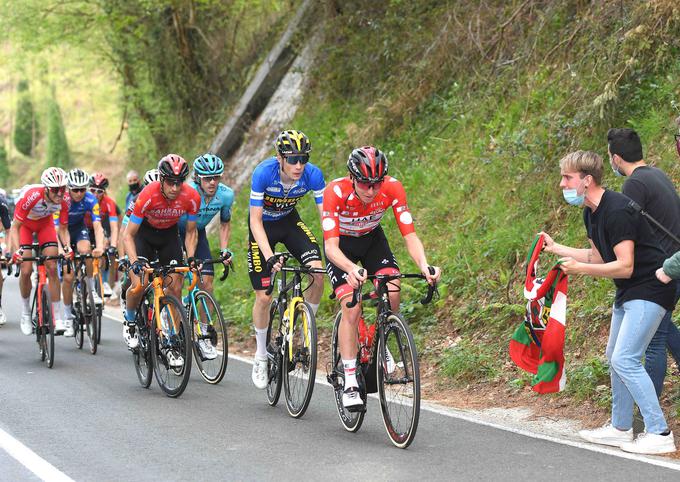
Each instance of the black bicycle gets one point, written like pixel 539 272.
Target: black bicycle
pixel 86 312
pixel 291 340
pixel 387 364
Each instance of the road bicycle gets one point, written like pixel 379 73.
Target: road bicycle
pixel 208 326
pixel 387 363
pixel 84 307
pixel 163 330
pixel 291 340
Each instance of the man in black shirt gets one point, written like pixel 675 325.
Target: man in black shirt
pixel 656 194
pixel 623 248
pixel 6 224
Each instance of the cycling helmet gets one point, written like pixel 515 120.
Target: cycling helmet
pixel 99 180
pixel 292 143
pixel 208 165
pixel 77 178
pixel 173 166
pixel 150 176
pixel 54 177
pixel 367 164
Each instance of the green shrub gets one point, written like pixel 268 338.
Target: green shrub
pixel 26 124
pixel 58 153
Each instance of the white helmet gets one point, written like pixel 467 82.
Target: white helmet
pixel 77 178
pixel 54 177
pixel 151 176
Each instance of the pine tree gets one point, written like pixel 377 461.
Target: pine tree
pixel 26 125
pixel 4 167
pixel 57 147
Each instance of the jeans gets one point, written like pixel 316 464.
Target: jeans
pixel 632 327
pixel 655 356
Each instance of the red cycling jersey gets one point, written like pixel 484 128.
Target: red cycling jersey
pixel 33 204
pixel 107 208
pixel 162 213
pixel 344 214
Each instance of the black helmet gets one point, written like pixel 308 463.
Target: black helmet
pixel 293 143
pixel 367 164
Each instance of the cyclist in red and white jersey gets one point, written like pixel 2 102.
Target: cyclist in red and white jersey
pixel 152 232
pixel 353 207
pixel 33 215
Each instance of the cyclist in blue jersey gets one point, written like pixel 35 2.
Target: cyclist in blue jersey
pixel 79 202
pixel 278 184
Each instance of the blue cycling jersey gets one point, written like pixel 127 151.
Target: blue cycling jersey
pixel 268 191
pixel 220 203
pixel 77 210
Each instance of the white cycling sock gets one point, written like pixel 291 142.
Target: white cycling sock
pixel 261 338
pixel 350 368
pixel 57 308
pixel 67 311
pixel 27 304
pixel 315 307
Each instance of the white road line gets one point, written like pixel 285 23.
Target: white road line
pixel 29 459
pixel 461 415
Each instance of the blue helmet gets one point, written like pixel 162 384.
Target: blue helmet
pixel 208 165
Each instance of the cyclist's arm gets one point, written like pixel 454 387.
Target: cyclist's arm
pixel 191 239
pixel 114 231
pixel 257 228
pixel 14 235
pixel 225 232
pixel 335 255
pixel 63 235
pixel 129 241
pixel 416 250
pixel 98 234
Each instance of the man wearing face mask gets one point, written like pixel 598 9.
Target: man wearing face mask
pixel 134 185
pixel 651 188
pixel 623 248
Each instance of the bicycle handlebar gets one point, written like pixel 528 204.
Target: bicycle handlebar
pixel 431 289
pixel 291 269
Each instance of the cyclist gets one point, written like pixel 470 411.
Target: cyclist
pixel 153 233
pixel 79 202
pixel 108 212
pixel 352 209
pixel 33 215
pixel 278 184
pixel 215 198
pixel 6 224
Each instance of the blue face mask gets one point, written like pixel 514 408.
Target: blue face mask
pixel 616 170
pixel 572 197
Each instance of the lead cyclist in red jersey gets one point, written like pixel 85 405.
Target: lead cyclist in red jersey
pixel 352 209
pixel 33 215
pixel 153 232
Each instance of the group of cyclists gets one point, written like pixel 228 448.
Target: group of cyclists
pixel 166 220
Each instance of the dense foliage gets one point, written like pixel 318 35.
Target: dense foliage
pixel 25 124
pixel 58 153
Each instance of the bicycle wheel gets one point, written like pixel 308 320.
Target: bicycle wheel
pixel 78 328
pixel 47 330
pixel 274 341
pixel 350 420
pixel 141 356
pixel 89 313
pixel 299 361
pixel 172 343
pixel 208 326
pixel 398 380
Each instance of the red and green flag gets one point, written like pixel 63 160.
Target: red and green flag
pixel 537 344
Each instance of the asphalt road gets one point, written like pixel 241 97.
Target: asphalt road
pixel 91 420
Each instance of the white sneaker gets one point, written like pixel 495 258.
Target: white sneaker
pixel 97 299
pixel 607 435
pixel 207 349
pixel 60 327
pixel 26 324
pixel 175 360
pixel 132 340
pixel 107 290
pixel 351 399
pixel 260 372
pixel 68 327
pixel 3 318
pixel 650 443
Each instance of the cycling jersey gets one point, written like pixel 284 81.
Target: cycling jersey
pixel 344 214
pixel 220 203
pixel 108 211
pixel 275 199
pixel 161 212
pixel 75 213
pixel 34 205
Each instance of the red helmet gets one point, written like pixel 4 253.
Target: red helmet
pixel 367 164
pixel 99 180
pixel 174 167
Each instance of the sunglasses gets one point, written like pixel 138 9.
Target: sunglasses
pixel 78 190
pixel 57 190
pixel 173 182
pixel 211 178
pixel 368 185
pixel 293 160
pixel 96 190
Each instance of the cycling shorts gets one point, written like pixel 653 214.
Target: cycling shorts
pixel 371 250
pixel 78 232
pixel 202 250
pixel 162 244
pixel 295 236
pixel 43 229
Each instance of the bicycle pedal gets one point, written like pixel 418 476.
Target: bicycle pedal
pixel 357 408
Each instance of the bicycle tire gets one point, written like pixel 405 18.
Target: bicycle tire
pixel 47 329
pixel 141 355
pixel 78 321
pixel 89 313
pixel 172 380
pixel 400 408
pixel 274 342
pixel 303 365
pixel 351 421
pixel 212 371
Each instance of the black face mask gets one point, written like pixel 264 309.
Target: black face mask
pixel 135 188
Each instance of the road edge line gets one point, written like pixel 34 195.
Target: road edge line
pixel 38 466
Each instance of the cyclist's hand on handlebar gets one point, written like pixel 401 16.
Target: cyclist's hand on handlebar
pixel 138 266
pixel 97 252
pixel 112 251
pixel 356 277
pixel 68 252
pixel 432 274
pixel 226 255
pixel 194 262
pixel 17 257
pixel 275 263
